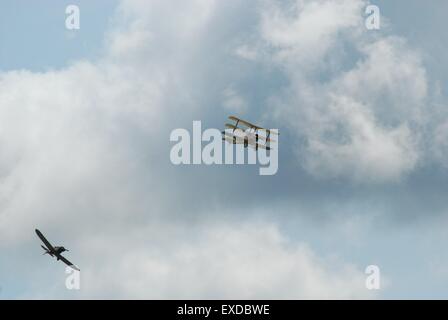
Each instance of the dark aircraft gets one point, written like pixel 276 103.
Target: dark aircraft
pixel 54 251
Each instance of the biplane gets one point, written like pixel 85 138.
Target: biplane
pixel 54 251
pixel 248 134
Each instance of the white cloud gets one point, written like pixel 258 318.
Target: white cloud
pixel 64 139
pixel 362 122
pixel 80 160
pixel 303 33
pixel 246 52
pixel 440 144
pixel 366 151
pixel 233 102
pixel 239 261
pixel 389 78
pixel 80 150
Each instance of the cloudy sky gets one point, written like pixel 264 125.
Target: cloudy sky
pixel 85 121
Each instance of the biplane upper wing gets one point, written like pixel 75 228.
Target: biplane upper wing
pixel 45 241
pixel 250 125
pixel 63 259
pixel 231 126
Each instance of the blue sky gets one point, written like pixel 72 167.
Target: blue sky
pixel 33 39
pixel 85 149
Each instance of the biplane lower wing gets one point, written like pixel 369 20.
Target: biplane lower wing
pixel 232 138
pixel 259 146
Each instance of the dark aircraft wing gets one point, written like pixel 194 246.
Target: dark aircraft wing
pixel 45 241
pixel 68 262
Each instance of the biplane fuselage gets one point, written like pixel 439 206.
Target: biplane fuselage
pixel 239 136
